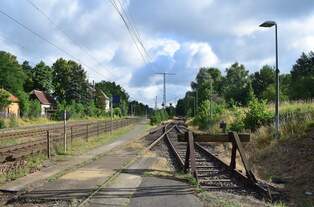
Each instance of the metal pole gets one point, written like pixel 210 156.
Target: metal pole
pixel 277 88
pixel 164 90
pixel 211 100
pixel 111 115
pixel 64 129
pixel 196 107
pixel 48 144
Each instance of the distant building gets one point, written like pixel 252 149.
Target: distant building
pixel 14 108
pixel 46 101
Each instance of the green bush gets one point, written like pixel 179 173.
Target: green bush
pixel 158 116
pixel 117 112
pixel 257 115
pixel 24 103
pixel 203 117
pixel 238 124
pixel 2 124
pixel 13 122
pixel 34 109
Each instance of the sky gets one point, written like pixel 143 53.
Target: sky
pixel 180 36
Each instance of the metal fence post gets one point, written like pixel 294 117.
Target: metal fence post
pixel 71 136
pixel 48 144
pixel 87 132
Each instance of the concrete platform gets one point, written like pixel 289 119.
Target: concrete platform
pixel 33 180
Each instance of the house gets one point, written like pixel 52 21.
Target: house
pixel 104 100
pixel 14 108
pixel 46 101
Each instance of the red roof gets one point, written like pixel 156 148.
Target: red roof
pixel 13 98
pixel 42 97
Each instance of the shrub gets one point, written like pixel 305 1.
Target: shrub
pixel 158 116
pixel 4 99
pixel 117 112
pixel 2 124
pixel 34 109
pixel 24 103
pixel 203 117
pixel 238 124
pixel 257 115
pixel 13 122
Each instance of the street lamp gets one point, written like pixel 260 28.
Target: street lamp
pixel 270 24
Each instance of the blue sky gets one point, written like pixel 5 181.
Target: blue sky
pixel 180 35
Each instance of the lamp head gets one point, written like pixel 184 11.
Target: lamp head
pixel 268 24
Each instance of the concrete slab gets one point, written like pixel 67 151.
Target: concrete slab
pixel 28 182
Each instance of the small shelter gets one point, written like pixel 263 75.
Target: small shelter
pixel 46 101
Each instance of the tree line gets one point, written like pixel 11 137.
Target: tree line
pixel 239 87
pixel 67 82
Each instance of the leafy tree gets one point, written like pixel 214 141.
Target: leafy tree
pixel 34 109
pixel 70 82
pixel 112 89
pixel 4 99
pixel 262 80
pixel 12 76
pixel 42 77
pixel 203 117
pixel 257 115
pixel 237 84
pixel 28 71
pixel 302 77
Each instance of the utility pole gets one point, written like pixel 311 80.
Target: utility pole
pixel 164 74
pixel 156 103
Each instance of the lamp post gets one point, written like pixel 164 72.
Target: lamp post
pixel 271 24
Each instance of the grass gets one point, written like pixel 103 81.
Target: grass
pixel 24 122
pixel 30 164
pixel 80 146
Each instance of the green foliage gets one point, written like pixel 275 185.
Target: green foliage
pixel 302 77
pixel 4 99
pixel 2 124
pixel 237 84
pixel 158 116
pixel 257 115
pixel 12 76
pixel 34 109
pixel 203 117
pixel 112 89
pixel 117 112
pixel 262 80
pixel 13 122
pixel 70 82
pixel 238 124
pixel 24 103
pixel 42 77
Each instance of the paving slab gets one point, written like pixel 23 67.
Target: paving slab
pixel 132 188
pixel 30 181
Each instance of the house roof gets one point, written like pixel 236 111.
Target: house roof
pixel 43 97
pixel 13 98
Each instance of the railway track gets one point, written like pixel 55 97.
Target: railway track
pixel 211 173
pixel 18 144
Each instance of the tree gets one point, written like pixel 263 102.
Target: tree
pixel 262 80
pixel 112 89
pixel 237 85
pixel 302 77
pixel 70 82
pixel 42 77
pixel 28 71
pixel 4 99
pixel 12 76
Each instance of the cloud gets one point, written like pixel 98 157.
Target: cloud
pixel 184 63
pixel 180 35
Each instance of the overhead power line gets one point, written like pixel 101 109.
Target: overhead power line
pixel 56 26
pixel 131 31
pixel 46 40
